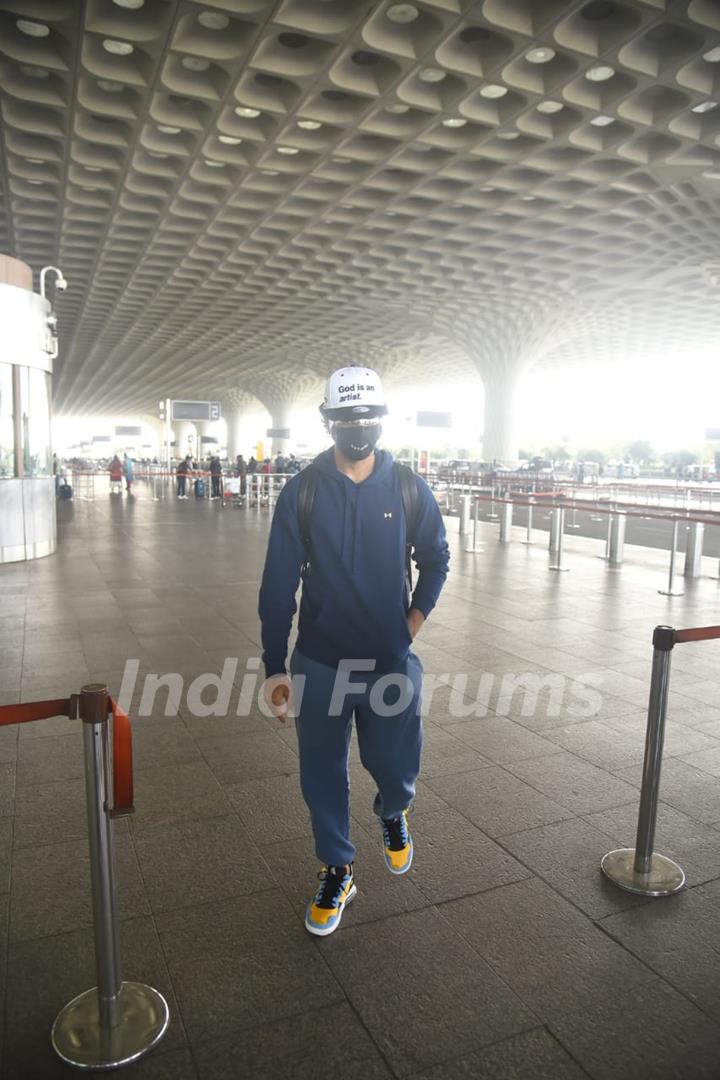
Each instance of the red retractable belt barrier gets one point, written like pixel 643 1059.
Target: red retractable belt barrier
pixel 122 778
pixel 697 633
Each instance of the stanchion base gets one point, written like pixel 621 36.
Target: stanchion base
pixel 664 878
pixel 492 517
pixel 474 550
pixel 527 541
pixel 671 592
pixel 80 1041
pixel 559 569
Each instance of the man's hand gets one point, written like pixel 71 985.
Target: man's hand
pixel 415 620
pixel 276 691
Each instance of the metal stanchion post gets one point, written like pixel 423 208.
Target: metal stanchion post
pixel 492 516
pixel 115 1022
pixel 506 517
pixel 670 591
pixel 474 547
pixel 573 524
pixel 528 536
pixel 640 869
pixel 557 528
pixel 694 550
pixel 464 523
pixel 617 539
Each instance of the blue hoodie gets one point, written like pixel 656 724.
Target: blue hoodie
pixel 353 603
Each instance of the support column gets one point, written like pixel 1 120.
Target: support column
pixel 186 440
pixel 280 414
pixel 499 433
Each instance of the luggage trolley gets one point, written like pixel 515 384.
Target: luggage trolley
pixel 232 492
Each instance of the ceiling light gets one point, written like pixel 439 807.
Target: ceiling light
pixel 309 125
pixel 402 13
pixel 488 187
pixel 398 109
pixel 528 198
pixel 600 73
pixel 454 122
pixel 269 172
pixel 229 140
pixel 287 150
pixel 214 164
pixel 92 168
pixel 35 160
pixel 347 206
pixel 245 110
pixel 508 135
pixel 195 63
pixel 340 161
pixel 550 106
pixel 713 57
pixel 712 174
pixel 34 72
pixel 154 153
pixel 34 181
pixel 704 106
pixel 540 55
pixel 431 75
pixel 109 86
pixel 117 48
pixel 168 130
pixel 213 20
pixel 492 90
pixel 602 121
pixel 32 29
pixel 131 5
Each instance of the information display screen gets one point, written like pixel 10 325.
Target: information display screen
pixel 196 410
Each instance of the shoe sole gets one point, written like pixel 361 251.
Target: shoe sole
pixel 318 931
pixel 405 868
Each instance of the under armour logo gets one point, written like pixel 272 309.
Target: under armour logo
pixel 387 513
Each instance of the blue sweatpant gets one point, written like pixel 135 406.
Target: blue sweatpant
pixel 390 747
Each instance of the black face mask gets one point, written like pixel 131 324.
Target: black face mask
pixel 357 443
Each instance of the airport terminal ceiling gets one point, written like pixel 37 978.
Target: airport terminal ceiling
pixel 242 194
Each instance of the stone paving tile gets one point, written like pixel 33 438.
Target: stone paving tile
pixel 173 793
pixel 500 740
pixel 238 963
pixel 51 888
pixel 57 757
pixel 617 744
pixel 6 841
pixel 649 1032
pixel 193 862
pixel 551 955
pixel 534 1055
pixel 567 855
pixel 680 940
pixel 453 858
pixel 7 788
pixel 691 790
pixel 271 808
pixel 576 784
pixel 9 740
pixel 248 757
pixel 450 1001
pixel 496 801
pixel 314 1045
pixel 45 974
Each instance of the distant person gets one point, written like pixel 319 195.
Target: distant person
pixel 266 466
pixel 215 478
pixel 280 464
pixel 116 474
pixel 252 465
pixel 128 472
pixel 184 467
pixel 292 465
pixel 241 469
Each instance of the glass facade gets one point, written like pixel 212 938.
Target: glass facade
pixel 7 436
pixel 35 413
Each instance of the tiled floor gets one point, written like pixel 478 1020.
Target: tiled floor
pixel 503 954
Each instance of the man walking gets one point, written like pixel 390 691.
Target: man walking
pixel 344 524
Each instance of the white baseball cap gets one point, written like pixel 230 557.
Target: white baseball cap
pixel 353 393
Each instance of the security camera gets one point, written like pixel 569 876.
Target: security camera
pixel 61 284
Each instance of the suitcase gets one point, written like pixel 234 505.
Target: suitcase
pixel 66 491
pixel 200 488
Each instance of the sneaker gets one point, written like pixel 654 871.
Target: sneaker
pixel 398 843
pixel 337 889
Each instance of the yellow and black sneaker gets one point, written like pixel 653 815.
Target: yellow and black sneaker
pixel 398 843
pixel 337 888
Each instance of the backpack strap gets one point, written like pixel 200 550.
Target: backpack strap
pixel 306 498
pixel 411 508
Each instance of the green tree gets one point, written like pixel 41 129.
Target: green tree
pixel 680 459
pixel 641 452
pixel 557 453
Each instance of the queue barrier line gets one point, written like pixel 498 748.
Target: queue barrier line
pixel 115 1022
pixel 570 504
pixel 641 869
pixel 122 772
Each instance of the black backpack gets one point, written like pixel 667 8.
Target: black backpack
pixel 411 507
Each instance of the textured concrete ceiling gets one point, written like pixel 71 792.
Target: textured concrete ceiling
pixel 243 194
